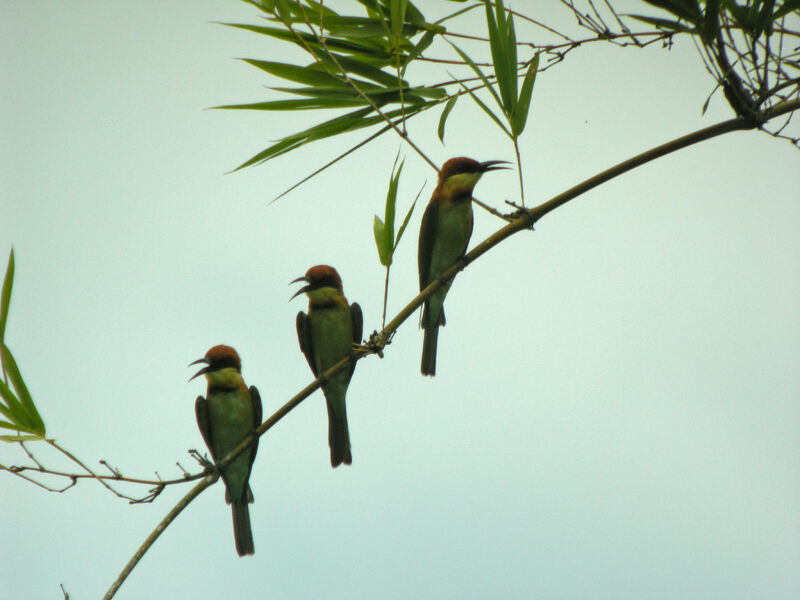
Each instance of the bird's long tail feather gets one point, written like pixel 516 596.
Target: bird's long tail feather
pixel 338 438
pixel 241 527
pixel 431 327
pixel 428 364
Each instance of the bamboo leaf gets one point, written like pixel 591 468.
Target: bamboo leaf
pixel 5 295
pixel 445 113
pixel 297 74
pixel 305 104
pixel 381 242
pixel 358 67
pixel 688 10
pixel 523 104
pixel 397 15
pixel 22 391
pixel 404 225
pixel 786 8
pixel 479 73
pixel 349 122
pixel 663 23
pixel 391 199
pixel 13 409
pixel 488 111
pixel 21 438
pixel 367 51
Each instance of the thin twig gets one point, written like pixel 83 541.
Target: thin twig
pixel 165 522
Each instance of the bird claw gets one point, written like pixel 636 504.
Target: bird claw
pixel 516 214
pixel 376 343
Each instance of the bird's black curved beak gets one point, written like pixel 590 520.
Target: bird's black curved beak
pixel 202 371
pixel 492 165
pixel 302 290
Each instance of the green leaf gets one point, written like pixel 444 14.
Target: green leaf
pixel 664 24
pixel 351 65
pixel 305 104
pixel 13 409
pixel 788 6
pixel 688 10
pixel 397 15
pixel 366 51
pixel 21 438
pixel 520 116
pixel 5 295
pixel 420 47
pixel 445 113
pixel 304 75
pixel 404 225
pixel 488 111
pixel 33 418
pixel 391 198
pixel 384 246
pixel 480 75
pixel 350 122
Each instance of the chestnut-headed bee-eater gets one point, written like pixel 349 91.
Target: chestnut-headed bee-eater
pixel 327 334
pixel 225 416
pixel 443 238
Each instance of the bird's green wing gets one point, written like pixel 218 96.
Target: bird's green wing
pixel 255 399
pixel 304 337
pixel 427 235
pixel 469 235
pixel 358 328
pixel 201 412
pixel 358 322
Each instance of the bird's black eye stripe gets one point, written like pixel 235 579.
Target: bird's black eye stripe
pixel 226 362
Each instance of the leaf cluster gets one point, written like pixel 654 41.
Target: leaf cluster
pixel 358 62
pixel 18 408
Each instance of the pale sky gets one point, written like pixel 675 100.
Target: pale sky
pixel 616 408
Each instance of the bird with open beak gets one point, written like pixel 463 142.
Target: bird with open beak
pixel 225 416
pixel 327 334
pixel 443 238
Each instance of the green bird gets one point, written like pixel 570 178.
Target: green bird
pixel 327 334
pixel 225 416
pixel 443 238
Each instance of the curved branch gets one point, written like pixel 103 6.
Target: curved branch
pixel 524 219
pixel 165 522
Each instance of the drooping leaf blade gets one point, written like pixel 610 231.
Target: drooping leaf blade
pixel 5 295
pixel 34 419
pixel 445 113
pixel 381 241
pixel 522 107
pixel 404 225
pixel 12 409
pixel 478 72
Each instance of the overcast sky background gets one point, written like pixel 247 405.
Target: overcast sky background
pixel 617 406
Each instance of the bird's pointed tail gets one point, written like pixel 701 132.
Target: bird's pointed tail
pixel 338 437
pixel 428 364
pixel 242 532
pixel 431 327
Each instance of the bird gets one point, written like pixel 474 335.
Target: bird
pixel 326 335
pixel 229 412
pixel 443 238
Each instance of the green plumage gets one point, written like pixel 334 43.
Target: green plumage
pixel 326 335
pixel 444 235
pixel 443 239
pixel 225 417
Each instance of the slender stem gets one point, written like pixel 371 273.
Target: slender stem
pixel 524 221
pixel 165 522
pixel 519 171
pixel 385 296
